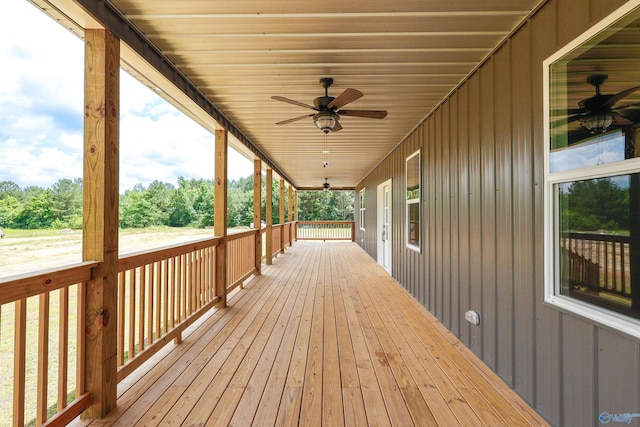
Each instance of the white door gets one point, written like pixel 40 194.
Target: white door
pixel 384 225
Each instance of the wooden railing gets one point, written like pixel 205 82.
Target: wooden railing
pixel 241 261
pixel 598 263
pixel 160 293
pixel 282 235
pixel 276 239
pixel 286 238
pixel 59 320
pixel 326 230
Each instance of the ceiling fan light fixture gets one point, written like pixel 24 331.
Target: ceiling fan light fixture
pixel 598 123
pixel 325 121
pixel 326 186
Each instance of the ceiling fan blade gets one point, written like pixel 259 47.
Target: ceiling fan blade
pixel 620 95
pixel 568 112
pixel 621 121
pixel 622 107
pixel 337 127
pixel 294 102
pixel 347 96
pixel 295 119
pixel 568 120
pixel 370 114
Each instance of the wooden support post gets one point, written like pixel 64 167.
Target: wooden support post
pixel 295 215
pixel 282 218
pixel 220 215
pixel 257 211
pixel 269 216
pixel 290 204
pixel 100 217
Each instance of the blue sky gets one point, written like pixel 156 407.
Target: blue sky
pixel 41 99
pixel 599 150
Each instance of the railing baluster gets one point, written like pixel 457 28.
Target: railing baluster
pixel 63 352
pixel 150 303
pixel 141 307
pixel 165 296
pixel 19 362
pixel 158 299
pixel 172 291
pixel 132 313
pixel 43 359
pixel 121 306
pixel 80 364
pixel 623 268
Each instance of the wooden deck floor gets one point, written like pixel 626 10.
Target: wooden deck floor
pixel 323 337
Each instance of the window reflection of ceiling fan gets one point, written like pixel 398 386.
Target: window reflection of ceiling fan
pixel 598 113
pixel 328 108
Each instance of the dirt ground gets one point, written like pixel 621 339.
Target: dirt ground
pixel 25 254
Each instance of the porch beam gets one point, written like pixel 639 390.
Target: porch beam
pixel 269 216
pixel 100 217
pixel 220 215
pixel 257 211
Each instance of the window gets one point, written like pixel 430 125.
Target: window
pixel 413 201
pixel 592 174
pixel 363 207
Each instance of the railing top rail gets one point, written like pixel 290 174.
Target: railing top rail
pixel 138 259
pixel 597 237
pixel 326 222
pixel 235 235
pixel 17 287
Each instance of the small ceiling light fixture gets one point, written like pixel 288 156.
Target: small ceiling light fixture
pixel 326 186
pixel 325 121
pixel 325 163
pixel 598 123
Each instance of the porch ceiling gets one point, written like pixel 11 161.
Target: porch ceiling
pixel 405 56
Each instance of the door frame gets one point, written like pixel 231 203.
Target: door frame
pixel 380 214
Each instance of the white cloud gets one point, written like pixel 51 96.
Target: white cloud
pixel 41 99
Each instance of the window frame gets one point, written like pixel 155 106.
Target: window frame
pixel 363 207
pixel 415 200
pixel 552 295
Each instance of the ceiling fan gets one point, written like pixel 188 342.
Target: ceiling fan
pixel 327 117
pixel 597 113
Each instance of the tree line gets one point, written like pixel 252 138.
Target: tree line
pixel 595 205
pixel 189 204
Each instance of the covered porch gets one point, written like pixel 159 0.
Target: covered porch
pixel 323 337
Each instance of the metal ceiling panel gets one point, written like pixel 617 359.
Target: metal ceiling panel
pixel 405 56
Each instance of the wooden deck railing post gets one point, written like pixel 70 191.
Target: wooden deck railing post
pixel 269 215
pixel 353 231
pixel 282 217
pixel 100 217
pixel 295 215
pixel 257 212
pixel 290 204
pixel 220 215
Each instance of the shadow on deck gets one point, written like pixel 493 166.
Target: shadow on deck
pixel 323 337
